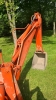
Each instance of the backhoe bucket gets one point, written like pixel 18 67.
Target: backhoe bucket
pixel 39 60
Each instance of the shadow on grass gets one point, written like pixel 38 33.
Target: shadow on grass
pixel 39 95
pixel 24 85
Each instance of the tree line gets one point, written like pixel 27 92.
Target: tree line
pixel 17 13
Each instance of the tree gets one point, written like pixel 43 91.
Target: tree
pixel 22 10
pixel 11 16
pixel 54 31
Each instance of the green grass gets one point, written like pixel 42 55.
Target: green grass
pixel 6 44
pixel 35 84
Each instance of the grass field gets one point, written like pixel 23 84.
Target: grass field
pixel 35 84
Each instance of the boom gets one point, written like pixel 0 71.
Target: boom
pixel 24 41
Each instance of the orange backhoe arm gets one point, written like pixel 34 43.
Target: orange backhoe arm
pixel 10 71
pixel 24 41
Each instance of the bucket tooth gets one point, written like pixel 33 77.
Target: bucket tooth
pixel 39 60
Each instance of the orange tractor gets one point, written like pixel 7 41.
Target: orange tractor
pixel 10 71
